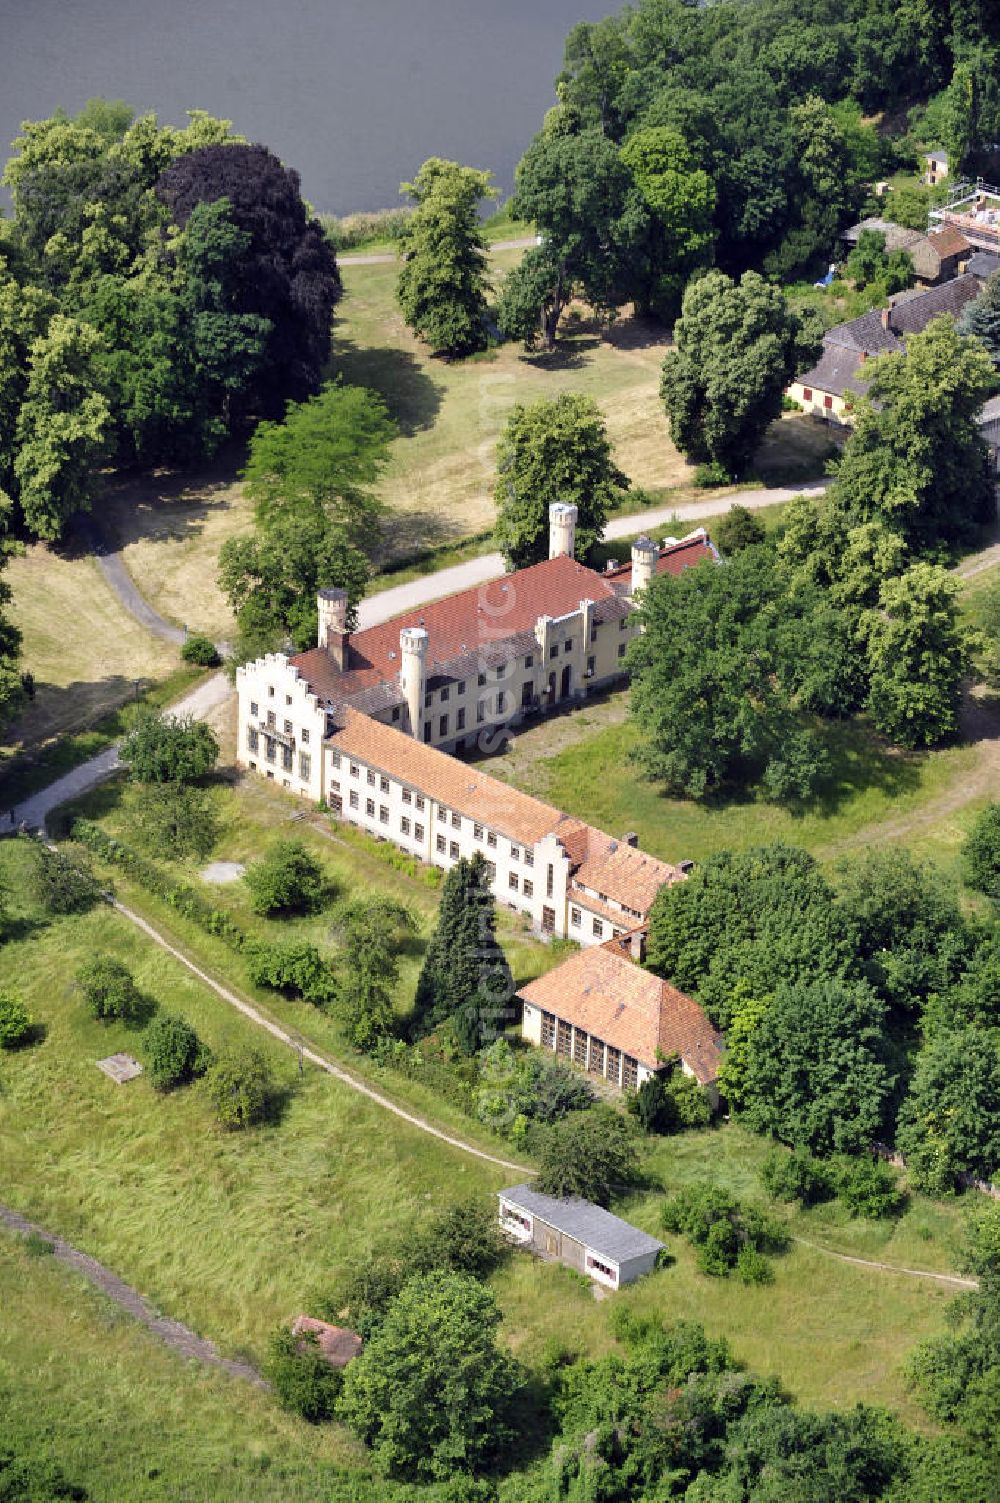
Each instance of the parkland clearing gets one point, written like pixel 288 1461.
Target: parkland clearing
pixel 558 1013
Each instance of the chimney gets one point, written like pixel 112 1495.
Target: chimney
pixel 637 945
pixel 331 612
pixel 413 674
pixel 562 530
pixel 632 839
pixel 645 557
pixel 886 319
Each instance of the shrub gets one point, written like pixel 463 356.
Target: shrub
pixel 174 1052
pixel 15 1021
pixel 164 749
pixel 61 885
pixel 521 1086
pixel 587 1154
pixel 464 1236
pixel 110 991
pixel 752 1267
pixel 670 1102
pixel 797 1176
pixel 738 529
pixel 302 1379
pixel 172 820
pixel 240 1087
pixel 286 880
pixel 200 650
pixel 868 1187
pixel 296 968
pixel 981 853
pixel 721 1228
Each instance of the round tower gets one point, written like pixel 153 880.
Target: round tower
pixel 562 529
pixel 645 556
pixel 413 642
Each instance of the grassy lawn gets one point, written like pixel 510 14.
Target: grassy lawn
pixel 86 1388
pixel 582 763
pixel 84 649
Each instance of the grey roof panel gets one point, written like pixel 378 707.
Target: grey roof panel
pixel 836 371
pixel 594 1227
pixel 983 264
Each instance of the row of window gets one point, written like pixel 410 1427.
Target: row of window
pixel 597 925
pixel 287 754
pixel 272 721
pixel 590 1053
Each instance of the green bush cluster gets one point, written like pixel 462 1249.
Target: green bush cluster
pixel 669 1102
pixel 110 992
pixel 15 1020
pixel 186 900
pixel 294 967
pixel 286 880
pixel 200 650
pixel 866 1186
pixel 174 1054
pixel 730 1237
pixel 301 1377
pixel 61 885
pixel 240 1087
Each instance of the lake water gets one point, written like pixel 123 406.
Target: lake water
pixel 355 94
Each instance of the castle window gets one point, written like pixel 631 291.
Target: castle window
pixel 593 631
pixel 427 730
pixel 598 929
pixel 591 665
pixel 270 691
pixel 529 661
pixel 443 726
pixel 568 645
pixel 395 712
pixel 407 796
pixel 491 870
pixel 630 1073
pixel 512 881
pixel 404 825
pixel 383 784
pixel 453 851
pixel 550 877
pixel 515 853
pixel 622 624
pixel 575 917
pixel 456 821
pixel 253 739
pixel 441 844
pixel 288 699
pixel 271 722
pixel 418 832
pixel 480 712
pixel 288 727
pixel 491 840
pixel 481 679
pixel 529 858
pixel 253 707
pixel 286 758
pixel 336 758
pixel 427 701
pixel 529 887
pixel 501 701
pixel 305 766
pixel 460 719
pixel 354 770
pixel 621 649
pixel 477 832
pixel 442 814
pixel 305 736
pixel 445 694
pixel 419 801
pixel 383 814
pixel 371 778
pixel 500 671
pixel 370 807
pixel 554 650
pixel 354 798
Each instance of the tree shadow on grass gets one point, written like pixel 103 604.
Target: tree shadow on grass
pixel 413 399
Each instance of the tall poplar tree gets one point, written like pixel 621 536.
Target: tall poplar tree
pixel 444 281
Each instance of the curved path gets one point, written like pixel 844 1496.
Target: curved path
pixel 953 1279
pixel 312 1055
pixel 172 1333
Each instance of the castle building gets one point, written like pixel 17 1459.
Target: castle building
pixel 366 720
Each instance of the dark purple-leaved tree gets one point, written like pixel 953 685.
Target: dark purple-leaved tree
pixel 289 273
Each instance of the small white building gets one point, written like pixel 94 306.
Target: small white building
pixel 606 1249
pixel 935 167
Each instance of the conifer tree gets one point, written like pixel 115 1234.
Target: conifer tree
pixel 465 975
pixel 982 318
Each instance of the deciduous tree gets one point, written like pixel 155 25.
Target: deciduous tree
pixel 168 749
pixel 736 347
pixel 918 654
pixel 431 1392
pixel 981 853
pixel 950 1120
pixel 286 879
pixel 554 450
pixel 590 1154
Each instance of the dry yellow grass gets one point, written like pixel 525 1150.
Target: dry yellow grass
pixel 82 646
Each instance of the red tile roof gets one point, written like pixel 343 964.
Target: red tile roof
pixel 603 992
pixel 473 618
pixel 612 867
pixel 674 557
pixel 949 241
pixel 336 1343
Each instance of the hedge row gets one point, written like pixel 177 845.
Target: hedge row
pixel 186 900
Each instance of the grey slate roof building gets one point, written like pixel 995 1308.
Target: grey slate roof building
pixel 607 1249
pixel 983 264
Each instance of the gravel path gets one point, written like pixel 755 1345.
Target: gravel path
pixel 388 258
pixel 375 609
pixel 172 1333
pixel 953 1279
pixel 313 1056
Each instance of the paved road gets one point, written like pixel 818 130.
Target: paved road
pixel 387 258
pixel 388 603
pixel 34 810
pixel 172 1333
pixel 113 568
